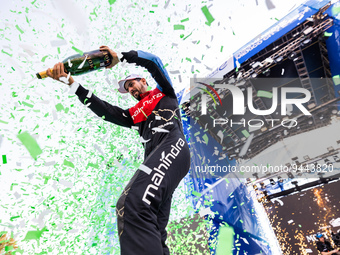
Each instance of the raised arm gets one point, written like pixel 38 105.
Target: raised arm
pixel 101 108
pixel 152 63
pixel 155 66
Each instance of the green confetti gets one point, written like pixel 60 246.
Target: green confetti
pixel 59 107
pixel 34 235
pixel 68 163
pixel 6 53
pixel 187 36
pixel 9 248
pixel 44 58
pixel 179 27
pixel 336 80
pixel 327 34
pixel 225 241
pixel 46 179
pixel 184 20
pixel 262 93
pixel 96 166
pixel 4 159
pixel 4 122
pixel 221 48
pixel 67 189
pixel 245 133
pixel 195 193
pixel 14 217
pixel 208 15
pixel 19 29
pixel 60 36
pixel 335 10
pixel 27 104
pixel 77 50
pixel 30 143
pixel 205 138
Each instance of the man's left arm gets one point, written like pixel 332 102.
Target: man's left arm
pixel 155 67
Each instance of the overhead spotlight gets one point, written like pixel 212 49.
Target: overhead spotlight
pixel 279 59
pixel 305 42
pixel 291 55
pixel 334 111
pixel 308 30
pixel 310 122
pixel 254 75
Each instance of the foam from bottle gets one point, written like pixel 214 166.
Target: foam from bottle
pixel 35 78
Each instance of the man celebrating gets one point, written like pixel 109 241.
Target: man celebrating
pixel 144 206
pixel 324 246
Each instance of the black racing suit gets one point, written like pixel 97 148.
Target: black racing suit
pixel 144 206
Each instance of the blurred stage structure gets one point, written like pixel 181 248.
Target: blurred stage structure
pixel 301 51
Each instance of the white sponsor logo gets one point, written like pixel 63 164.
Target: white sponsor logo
pixel 146 102
pixel 158 174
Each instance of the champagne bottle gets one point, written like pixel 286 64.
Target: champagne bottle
pixel 80 64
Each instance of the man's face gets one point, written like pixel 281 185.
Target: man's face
pixel 135 87
pixel 322 239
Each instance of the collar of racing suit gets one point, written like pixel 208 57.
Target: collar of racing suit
pixel 144 94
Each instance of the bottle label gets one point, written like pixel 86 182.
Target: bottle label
pixel 91 64
pixel 107 59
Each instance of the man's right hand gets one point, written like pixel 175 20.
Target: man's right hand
pixel 58 72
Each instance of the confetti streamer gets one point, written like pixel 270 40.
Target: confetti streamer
pixel 266 94
pixel 336 80
pixel 31 144
pixel 4 159
pixel 225 241
pixel 208 15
